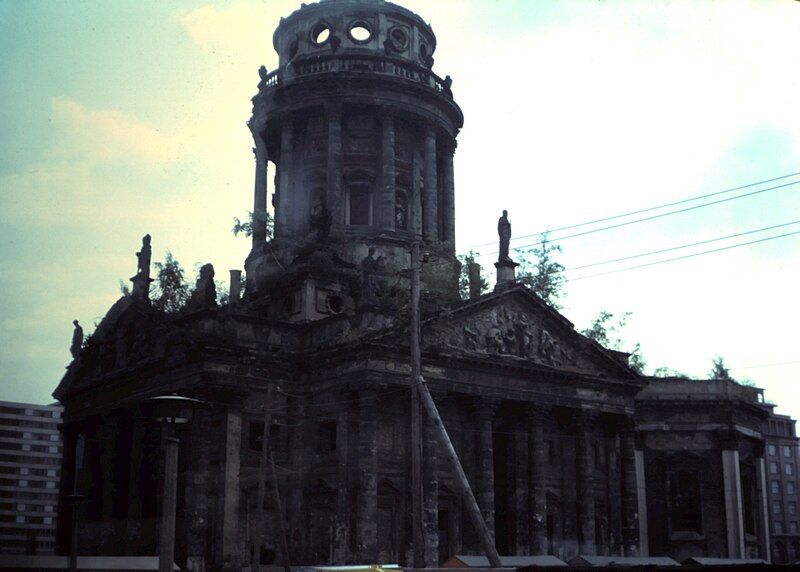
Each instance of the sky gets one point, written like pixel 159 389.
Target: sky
pixel 126 118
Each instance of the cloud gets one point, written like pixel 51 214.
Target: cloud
pixel 107 134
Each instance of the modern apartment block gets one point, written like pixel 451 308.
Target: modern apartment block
pixel 783 496
pixel 30 467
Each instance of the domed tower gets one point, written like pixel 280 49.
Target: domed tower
pixel 362 134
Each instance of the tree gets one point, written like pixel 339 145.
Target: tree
pixel 604 329
pixel 719 371
pixel 539 271
pixel 664 371
pixel 463 281
pixel 171 290
pixel 246 228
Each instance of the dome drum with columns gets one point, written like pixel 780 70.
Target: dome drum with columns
pixel 362 135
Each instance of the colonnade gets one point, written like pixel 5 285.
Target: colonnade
pixel 431 195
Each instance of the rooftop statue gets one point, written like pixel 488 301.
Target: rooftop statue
pixel 143 258
pixel 77 340
pixel 504 230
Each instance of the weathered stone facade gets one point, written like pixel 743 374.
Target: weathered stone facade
pixel 361 134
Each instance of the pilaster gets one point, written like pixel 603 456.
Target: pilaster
pixel 387 194
pixel 335 195
pixel 232 546
pixel 284 223
pixel 430 492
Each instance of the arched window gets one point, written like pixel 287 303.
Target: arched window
pixel 686 502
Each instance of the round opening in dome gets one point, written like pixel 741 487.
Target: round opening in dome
pixel 320 33
pixel 398 39
pixel 360 32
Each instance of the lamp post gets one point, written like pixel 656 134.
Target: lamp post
pixel 169 410
pixel 74 501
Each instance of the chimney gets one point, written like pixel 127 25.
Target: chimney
pixel 474 276
pixel 236 286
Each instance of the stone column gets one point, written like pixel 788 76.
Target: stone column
pixel 641 498
pixel 732 488
pixel 630 515
pixel 342 516
pixel 135 469
pixel 449 195
pixel 260 193
pixel 484 414
pixel 335 197
pixel 538 471
pixel 232 537
pixel 367 503
pixel 415 207
pixel 296 413
pixel 762 513
pixel 284 218
pixel 430 492
pixel 430 199
pixel 387 193
pixel 614 492
pixel 521 492
pixel 584 478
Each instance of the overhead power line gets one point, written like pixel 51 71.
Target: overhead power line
pixel 648 209
pixel 683 257
pixel 562 238
pixel 663 250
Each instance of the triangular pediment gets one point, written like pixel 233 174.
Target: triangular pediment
pixel 517 326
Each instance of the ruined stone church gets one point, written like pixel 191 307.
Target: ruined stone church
pixel 567 449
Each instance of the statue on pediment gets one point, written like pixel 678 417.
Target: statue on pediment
pixel 504 232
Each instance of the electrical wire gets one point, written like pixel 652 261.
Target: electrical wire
pixel 663 250
pixel 649 209
pixel 683 257
pixel 653 217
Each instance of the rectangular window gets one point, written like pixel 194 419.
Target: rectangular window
pixel 776 507
pixel 777 527
pixel 360 205
pixel 773 467
pixel 793 508
pixel 793 527
pixel 787 451
pixel 686 502
pixel 775 487
pixel 788 469
pixel 789 488
pixel 772 450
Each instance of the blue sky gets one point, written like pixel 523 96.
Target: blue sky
pixel 123 118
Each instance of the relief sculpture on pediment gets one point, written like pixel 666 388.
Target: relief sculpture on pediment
pixel 506 332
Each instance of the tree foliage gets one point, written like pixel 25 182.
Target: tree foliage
pixel 605 330
pixel 664 371
pixel 246 227
pixel 719 370
pixel 170 291
pixel 463 281
pixel 541 272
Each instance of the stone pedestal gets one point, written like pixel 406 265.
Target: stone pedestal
pixel 506 274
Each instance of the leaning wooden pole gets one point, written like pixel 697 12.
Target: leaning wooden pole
pixel 461 479
pixel 287 567
pixel 418 540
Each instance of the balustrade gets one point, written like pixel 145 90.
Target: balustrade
pixel 365 63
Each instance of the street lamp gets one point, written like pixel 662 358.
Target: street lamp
pixel 169 410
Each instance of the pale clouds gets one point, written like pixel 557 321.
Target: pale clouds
pixel 109 134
